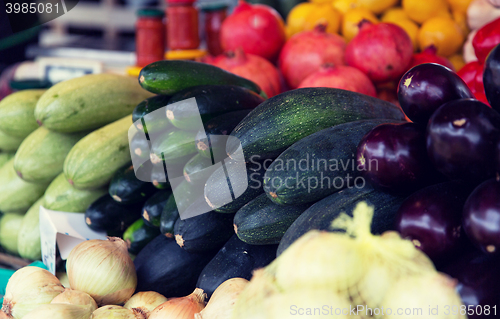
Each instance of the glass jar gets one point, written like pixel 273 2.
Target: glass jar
pixel 214 16
pixel 149 37
pixel 182 25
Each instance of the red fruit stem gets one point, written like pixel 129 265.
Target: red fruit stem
pixel 431 49
pixel 364 22
pixel 321 27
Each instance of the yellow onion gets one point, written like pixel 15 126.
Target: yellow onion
pixel 28 288
pixel 115 312
pixel 180 308
pixel 145 302
pixel 60 311
pixel 3 315
pixel 221 304
pixel 75 297
pixel 103 269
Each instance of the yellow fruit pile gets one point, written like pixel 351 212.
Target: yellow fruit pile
pixel 441 23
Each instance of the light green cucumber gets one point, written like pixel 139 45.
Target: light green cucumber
pixel 17 112
pixel 28 239
pixel 5 157
pixel 10 224
pixel 88 102
pixel 40 158
pixel 62 196
pixel 93 161
pixel 9 143
pixel 17 195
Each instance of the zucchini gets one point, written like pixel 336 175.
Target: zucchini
pixel 105 214
pixel 156 121
pixel 169 215
pixel 138 235
pixel 234 259
pixel 62 196
pixel 10 225
pixel 211 100
pixel 170 77
pixel 40 158
pixel 321 215
pixel 28 240
pixel 204 232
pixel 153 207
pixel 262 222
pixel 318 165
pixel 5 157
pixel 88 102
pixel 16 112
pixel 140 146
pixel 164 267
pixel 286 118
pixel 9 143
pixel 125 188
pixel 94 160
pixel 159 177
pixel 208 140
pixel 174 147
pixel 17 195
pixel 198 169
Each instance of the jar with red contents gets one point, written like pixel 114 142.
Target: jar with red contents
pixel 182 25
pixel 149 36
pixel 214 15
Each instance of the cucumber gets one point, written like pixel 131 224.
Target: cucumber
pixel 10 225
pixel 5 157
pixel 125 188
pixel 170 77
pixel 321 215
pixel 157 121
pixel 138 235
pixel 208 140
pixel 262 222
pixel 17 195
pixel 40 158
pixel 62 196
pixel 174 147
pixel 204 232
pixel 169 215
pixel 212 100
pixel 16 112
pixel 9 143
pixel 288 117
pixel 235 259
pixel 318 165
pixel 88 102
pixel 28 240
pixel 198 169
pixel 94 160
pixel 105 214
pixel 153 207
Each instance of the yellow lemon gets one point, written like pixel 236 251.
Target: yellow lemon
pixel 422 10
pixel 321 1
pixel 459 5
pixel 444 33
pixel 344 5
pixel 297 17
pixel 411 29
pixel 457 60
pixel 461 19
pixel 351 20
pixel 323 14
pixel 377 6
pixel 394 14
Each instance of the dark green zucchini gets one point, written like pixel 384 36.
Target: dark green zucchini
pixel 235 259
pixel 173 147
pixel 125 188
pixel 164 267
pixel 209 140
pixel 170 77
pixel 159 176
pixel 223 199
pixel 321 215
pixel 262 222
pixel 138 235
pixel 212 100
pixel 153 207
pixel 169 216
pixel 286 118
pixel 105 214
pixel 204 232
pixel 140 146
pixel 144 113
pixel 318 165
pixel 198 169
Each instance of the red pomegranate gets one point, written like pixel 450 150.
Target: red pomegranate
pixel 340 77
pixel 305 52
pixel 429 55
pixel 258 29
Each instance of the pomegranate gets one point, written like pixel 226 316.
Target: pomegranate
pixel 251 67
pixel 305 52
pixel 468 73
pixel 258 29
pixel 382 51
pixel 478 90
pixel 429 55
pixel 340 77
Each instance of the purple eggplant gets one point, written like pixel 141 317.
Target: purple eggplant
pixel 462 139
pixel 425 87
pixel 432 219
pixel 393 157
pixel 481 216
pixel 491 78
